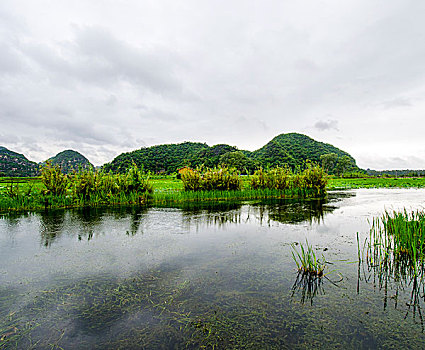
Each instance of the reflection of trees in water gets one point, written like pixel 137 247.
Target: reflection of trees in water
pixel 51 226
pixel 85 222
pixel 294 211
pixel 212 214
pixel 264 212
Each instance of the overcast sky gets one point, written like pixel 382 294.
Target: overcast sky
pixel 109 76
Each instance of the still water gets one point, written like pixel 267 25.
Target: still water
pixel 213 275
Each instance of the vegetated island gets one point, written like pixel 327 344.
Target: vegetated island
pixel 290 165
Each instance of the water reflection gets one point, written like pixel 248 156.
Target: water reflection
pixel 401 281
pixel 85 223
pixel 265 212
pixel 51 226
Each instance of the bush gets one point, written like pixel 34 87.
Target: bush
pixel 220 179
pixel 54 180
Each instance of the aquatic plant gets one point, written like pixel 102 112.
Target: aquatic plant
pixel 394 255
pixel 315 178
pixel 312 180
pixel 398 237
pixel 307 261
pixel 55 182
pixel 218 179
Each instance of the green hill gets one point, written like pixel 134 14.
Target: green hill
pixel 294 149
pixel 70 160
pixel 16 164
pixel 158 159
pixel 286 149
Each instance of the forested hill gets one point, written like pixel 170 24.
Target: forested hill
pixel 286 149
pixel 161 158
pixel 294 149
pixel 16 164
pixel 70 160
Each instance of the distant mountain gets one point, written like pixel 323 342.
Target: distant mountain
pixel 16 164
pixel 70 160
pixel 290 149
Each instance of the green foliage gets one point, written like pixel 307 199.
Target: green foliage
pixel 220 179
pixel 210 157
pixel 295 150
pixel 239 161
pixel 278 178
pixel 70 161
pixel 313 179
pixel 329 161
pixel 292 150
pixel 397 241
pixel 157 159
pixel 307 261
pixel 54 180
pixel 16 164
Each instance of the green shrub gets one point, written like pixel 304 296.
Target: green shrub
pixel 221 179
pixel 54 180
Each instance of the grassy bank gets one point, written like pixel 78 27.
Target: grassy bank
pixel 168 189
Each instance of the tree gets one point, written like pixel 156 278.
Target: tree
pixel 239 161
pixel 344 163
pixel 329 161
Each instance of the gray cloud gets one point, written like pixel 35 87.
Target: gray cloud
pixel 324 125
pixel 105 78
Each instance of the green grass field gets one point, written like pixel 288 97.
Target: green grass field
pixel 373 182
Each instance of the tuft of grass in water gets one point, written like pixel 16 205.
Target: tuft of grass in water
pixel 395 253
pixel 307 261
pixel 398 238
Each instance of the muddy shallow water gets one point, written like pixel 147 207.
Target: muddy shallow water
pixel 211 275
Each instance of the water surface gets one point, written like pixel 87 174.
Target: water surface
pixel 202 275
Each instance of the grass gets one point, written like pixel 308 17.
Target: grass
pixel 168 189
pixel 395 252
pixel 397 241
pixel 307 261
pixel 375 182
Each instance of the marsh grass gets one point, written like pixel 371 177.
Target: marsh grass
pixel 85 187
pixel 394 256
pixel 312 180
pixel 215 179
pixel 398 238
pixel 307 261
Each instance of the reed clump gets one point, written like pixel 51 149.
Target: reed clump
pixel 211 179
pixel 311 181
pixel 398 239
pixel 307 262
